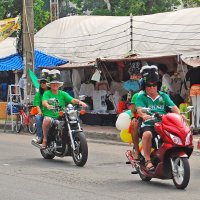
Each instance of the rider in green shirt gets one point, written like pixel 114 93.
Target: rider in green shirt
pixel 157 105
pixel 62 97
pixel 157 101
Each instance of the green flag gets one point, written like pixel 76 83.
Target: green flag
pixel 34 79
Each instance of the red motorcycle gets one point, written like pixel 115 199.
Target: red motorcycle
pixel 171 149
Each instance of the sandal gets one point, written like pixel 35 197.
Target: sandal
pixel 136 156
pixel 149 168
pixel 44 144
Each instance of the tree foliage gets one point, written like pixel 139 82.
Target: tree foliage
pixel 191 3
pixel 12 8
pixel 41 17
pixel 136 7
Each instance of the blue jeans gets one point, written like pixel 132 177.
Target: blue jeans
pixel 39 120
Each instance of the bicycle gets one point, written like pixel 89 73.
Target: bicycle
pixel 25 119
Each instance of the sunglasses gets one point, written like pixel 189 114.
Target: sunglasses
pixel 42 82
pixel 151 85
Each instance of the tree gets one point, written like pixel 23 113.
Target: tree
pixel 191 3
pixel 41 17
pixel 144 7
pixel 12 8
pixel 125 7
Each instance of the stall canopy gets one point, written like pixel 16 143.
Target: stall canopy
pixel 13 60
pixel 82 39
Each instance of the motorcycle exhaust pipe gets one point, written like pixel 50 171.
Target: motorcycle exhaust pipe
pixel 36 144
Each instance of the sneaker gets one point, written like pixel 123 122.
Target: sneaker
pixel 37 140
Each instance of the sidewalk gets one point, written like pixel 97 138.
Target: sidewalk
pixel 103 133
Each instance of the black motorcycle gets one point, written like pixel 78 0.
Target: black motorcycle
pixel 65 136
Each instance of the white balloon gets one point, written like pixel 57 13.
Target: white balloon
pixel 123 121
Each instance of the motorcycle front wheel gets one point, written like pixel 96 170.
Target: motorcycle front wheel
pixel 80 154
pixel 180 172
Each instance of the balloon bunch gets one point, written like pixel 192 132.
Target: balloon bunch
pixel 123 124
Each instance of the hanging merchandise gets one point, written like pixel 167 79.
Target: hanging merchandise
pixel 99 100
pixel 96 76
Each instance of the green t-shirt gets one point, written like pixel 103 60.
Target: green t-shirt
pixel 134 97
pixel 63 99
pixel 157 105
pixel 38 101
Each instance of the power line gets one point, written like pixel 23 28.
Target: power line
pixel 164 38
pixel 167 43
pixel 165 31
pixel 84 45
pixel 85 35
pixel 89 39
pixel 95 50
pixel 165 24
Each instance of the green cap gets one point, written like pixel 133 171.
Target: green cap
pixel 134 97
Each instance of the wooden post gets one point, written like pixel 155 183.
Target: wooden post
pixel 131 33
pixel 28 43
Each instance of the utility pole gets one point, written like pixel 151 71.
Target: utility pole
pixel 54 10
pixel 28 43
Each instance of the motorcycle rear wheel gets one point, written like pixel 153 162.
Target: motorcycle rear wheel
pixel 80 154
pixel 31 124
pixel 181 174
pixel 18 123
pixel 142 176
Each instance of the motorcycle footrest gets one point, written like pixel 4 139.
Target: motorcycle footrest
pixel 134 172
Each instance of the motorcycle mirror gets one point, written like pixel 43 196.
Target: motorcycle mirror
pixel 190 108
pixel 82 97
pixel 146 110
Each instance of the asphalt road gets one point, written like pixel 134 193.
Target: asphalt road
pixel 25 175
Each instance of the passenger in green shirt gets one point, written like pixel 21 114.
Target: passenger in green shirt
pixel 38 104
pixel 157 101
pixel 134 127
pixel 62 97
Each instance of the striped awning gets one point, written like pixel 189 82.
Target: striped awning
pixel 15 62
pixel 12 62
pixel 42 59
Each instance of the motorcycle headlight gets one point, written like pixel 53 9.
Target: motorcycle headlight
pixel 72 114
pixel 187 139
pixel 176 139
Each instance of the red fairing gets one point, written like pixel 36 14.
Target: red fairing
pixel 175 123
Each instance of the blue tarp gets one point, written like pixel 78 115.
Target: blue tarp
pixel 14 62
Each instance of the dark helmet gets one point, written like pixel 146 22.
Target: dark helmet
pixel 150 74
pixel 134 69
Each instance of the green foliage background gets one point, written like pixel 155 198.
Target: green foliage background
pixel 12 8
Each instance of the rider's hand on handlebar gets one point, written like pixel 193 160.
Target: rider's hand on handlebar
pixel 81 103
pixel 50 107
